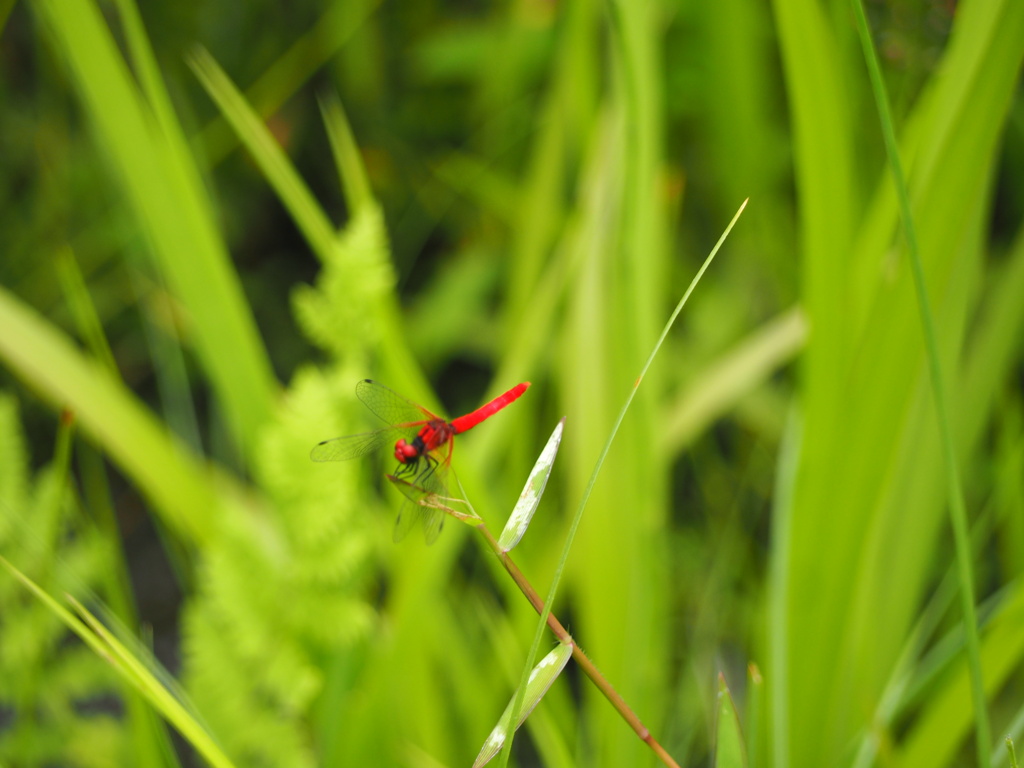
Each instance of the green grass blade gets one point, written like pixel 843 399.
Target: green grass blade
pixel 955 497
pixel 756 715
pixel 76 294
pixel 868 507
pixel 96 636
pixel 945 722
pixel 160 184
pixel 351 170
pixel 293 192
pixel 337 25
pixel 824 163
pixel 780 576
pixel 111 415
pixel 729 741
pixel 578 517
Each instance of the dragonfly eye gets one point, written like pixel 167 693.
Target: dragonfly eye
pixel 405 452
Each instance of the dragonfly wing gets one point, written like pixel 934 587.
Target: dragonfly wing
pixel 424 487
pixel 389 406
pixel 403 522
pixel 410 514
pixel 433 519
pixel 353 446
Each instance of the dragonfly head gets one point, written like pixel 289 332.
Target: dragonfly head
pixel 406 452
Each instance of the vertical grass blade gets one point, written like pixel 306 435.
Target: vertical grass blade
pixel 729 741
pixel 146 152
pixel 578 516
pixel 954 490
pixel 868 499
pixel 76 294
pixel 337 25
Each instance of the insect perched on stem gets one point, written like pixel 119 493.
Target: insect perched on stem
pixel 423 448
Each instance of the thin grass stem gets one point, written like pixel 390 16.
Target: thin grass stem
pixel 588 667
pixel 578 517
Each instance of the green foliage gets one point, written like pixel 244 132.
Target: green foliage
pixel 512 187
pixel 52 688
pixel 280 593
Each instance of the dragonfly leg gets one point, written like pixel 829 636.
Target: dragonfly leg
pixel 407 468
pixel 427 473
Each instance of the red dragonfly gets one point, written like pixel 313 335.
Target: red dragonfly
pixel 423 448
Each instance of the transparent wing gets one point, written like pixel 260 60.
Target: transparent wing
pixel 403 417
pixel 429 482
pixel 433 520
pixel 354 446
pixel 411 513
pixel 389 406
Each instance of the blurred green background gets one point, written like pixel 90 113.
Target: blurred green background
pixel 217 218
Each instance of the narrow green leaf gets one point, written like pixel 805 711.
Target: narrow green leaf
pixel 943 725
pixel 521 516
pixel 729 747
pixel 157 178
pixel 578 516
pixel 280 81
pixel 296 196
pixel 351 170
pixel 111 415
pixel 955 494
pixel 76 294
pixel 1012 730
pixel 756 717
pixel 541 678
pixel 780 577
pixel 100 640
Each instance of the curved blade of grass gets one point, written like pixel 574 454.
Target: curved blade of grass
pixel 541 678
pixel 957 507
pixel 351 171
pixel 938 732
pixel 100 640
pixel 293 192
pixel 522 514
pixel 111 415
pixel 578 517
pixel 280 81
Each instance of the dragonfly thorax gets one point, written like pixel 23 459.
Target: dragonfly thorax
pixel 433 434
